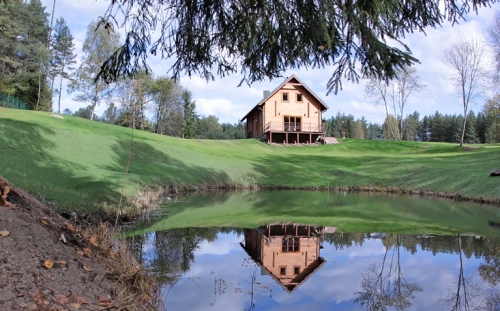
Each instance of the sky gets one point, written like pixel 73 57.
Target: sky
pixel 230 103
pixel 220 278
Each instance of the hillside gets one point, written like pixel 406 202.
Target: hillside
pixel 76 163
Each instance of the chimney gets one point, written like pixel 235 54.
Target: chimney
pixel 266 93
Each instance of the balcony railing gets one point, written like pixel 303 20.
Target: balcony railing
pixel 294 127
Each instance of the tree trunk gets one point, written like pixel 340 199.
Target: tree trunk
pixel 60 91
pixel 389 123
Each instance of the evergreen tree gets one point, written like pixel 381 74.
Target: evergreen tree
pixel 23 52
pixel 436 127
pixel 190 117
pixel 470 130
pixel 262 39
pixel 98 46
pixel 63 54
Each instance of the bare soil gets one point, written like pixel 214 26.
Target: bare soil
pixel 46 263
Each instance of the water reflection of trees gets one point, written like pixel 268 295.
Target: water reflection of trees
pixel 171 252
pixel 385 285
pixel 464 294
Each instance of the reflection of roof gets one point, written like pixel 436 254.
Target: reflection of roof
pixel 299 279
pixel 325 107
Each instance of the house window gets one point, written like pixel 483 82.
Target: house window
pixel 290 245
pixel 296 270
pixel 299 97
pixel 283 270
pixel 285 97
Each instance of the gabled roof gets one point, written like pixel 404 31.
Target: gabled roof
pixel 298 280
pixel 293 76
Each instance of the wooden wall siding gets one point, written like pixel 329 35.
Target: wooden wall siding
pixel 254 123
pixel 273 258
pixel 275 109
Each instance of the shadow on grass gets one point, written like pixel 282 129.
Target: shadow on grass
pixel 31 159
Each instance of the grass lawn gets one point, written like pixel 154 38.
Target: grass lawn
pixel 77 163
pixel 363 212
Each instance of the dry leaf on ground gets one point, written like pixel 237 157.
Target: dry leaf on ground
pixel 48 264
pixel 71 228
pixel 79 300
pixel 62 262
pixel 86 268
pixel 93 241
pixel 4 233
pixel 44 222
pixel 75 305
pixel 61 299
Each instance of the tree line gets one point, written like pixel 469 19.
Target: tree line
pixel 481 128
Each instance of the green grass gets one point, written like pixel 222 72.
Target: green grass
pixel 77 163
pixel 365 212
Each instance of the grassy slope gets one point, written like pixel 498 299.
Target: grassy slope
pixel 367 212
pixel 76 162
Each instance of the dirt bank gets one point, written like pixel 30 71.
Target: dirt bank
pixel 49 263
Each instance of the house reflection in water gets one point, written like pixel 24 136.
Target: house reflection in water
pixel 287 252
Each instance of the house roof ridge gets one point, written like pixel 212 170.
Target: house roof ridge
pixel 293 76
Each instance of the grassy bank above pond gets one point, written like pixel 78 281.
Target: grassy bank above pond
pixel 348 212
pixel 76 162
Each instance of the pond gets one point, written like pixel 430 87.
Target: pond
pixel 297 249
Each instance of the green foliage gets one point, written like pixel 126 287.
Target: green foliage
pixel 390 128
pixel 24 53
pixel 263 39
pixel 63 54
pixel 190 116
pixel 75 163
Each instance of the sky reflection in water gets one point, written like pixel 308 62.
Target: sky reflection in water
pixel 208 269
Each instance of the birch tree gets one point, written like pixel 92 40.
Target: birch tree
pixel 466 59
pixel 98 46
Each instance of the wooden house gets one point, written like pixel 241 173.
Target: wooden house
pixel 289 253
pixel 291 113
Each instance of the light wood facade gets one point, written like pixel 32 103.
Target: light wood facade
pixel 291 112
pixel 289 253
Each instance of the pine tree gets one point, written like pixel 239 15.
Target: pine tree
pixel 63 53
pixel 190 117
pixel 262 39
pixel 470 130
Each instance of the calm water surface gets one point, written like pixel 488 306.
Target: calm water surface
pixel 324 266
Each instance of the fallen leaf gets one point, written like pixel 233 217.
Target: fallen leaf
pixel 104 299
pixel 46 302
pixel 4 233
pixel 61 299
pixel 79 300
pixel 86 268
pixel 48 264
pixel 31 306
pixel 71 228
pixel 44 222
pixel 93 241
pixel 62 262
pixel 75 305
pixel 81 253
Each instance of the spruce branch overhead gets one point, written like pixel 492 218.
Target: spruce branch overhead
pixel 260 39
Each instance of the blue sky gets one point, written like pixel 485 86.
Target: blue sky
pixel 230 103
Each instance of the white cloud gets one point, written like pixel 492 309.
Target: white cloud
pixel 230 103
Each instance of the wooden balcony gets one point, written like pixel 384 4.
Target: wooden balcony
pixel 294 127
